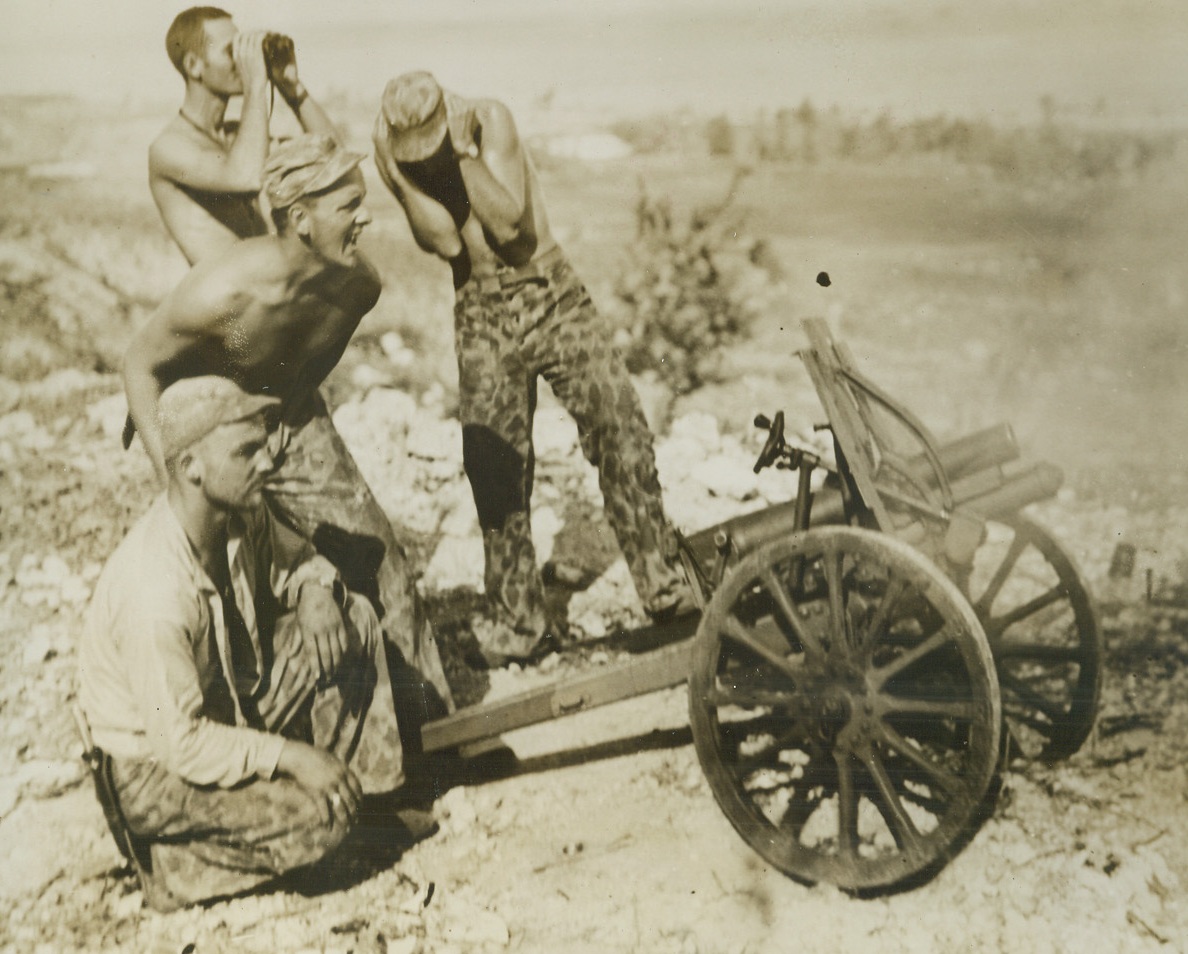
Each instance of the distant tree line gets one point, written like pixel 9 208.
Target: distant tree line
pixel 807 135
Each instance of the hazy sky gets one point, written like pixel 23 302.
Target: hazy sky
pixel 914 56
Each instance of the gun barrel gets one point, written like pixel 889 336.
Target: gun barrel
pixel 1037 483
pixel 981 450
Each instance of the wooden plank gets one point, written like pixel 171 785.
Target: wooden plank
pixel 844 418
pixel 636 677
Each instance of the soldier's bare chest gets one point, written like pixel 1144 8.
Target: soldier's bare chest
pixel 276 342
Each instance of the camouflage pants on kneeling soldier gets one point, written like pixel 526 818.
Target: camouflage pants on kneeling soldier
pixel 208 842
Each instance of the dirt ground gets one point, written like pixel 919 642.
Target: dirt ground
pixel 1056 306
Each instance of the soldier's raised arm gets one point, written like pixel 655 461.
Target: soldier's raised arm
pixel 182 339
pixel 205 164
pixel 491 161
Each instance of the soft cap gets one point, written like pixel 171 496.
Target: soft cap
pixel 191 408
pixel 414 109
pixel 304 165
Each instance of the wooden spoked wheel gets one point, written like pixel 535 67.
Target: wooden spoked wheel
pixel 844 707
pixel 1043 630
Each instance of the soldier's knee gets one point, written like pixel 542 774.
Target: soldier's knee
pixel 497 474
pixel 312 838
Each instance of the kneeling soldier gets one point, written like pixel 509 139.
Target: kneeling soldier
pixel 242 694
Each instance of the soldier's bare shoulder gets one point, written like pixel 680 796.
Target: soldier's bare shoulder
pixel 249 270
pixel 177 146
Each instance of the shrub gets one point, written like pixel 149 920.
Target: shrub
pixel 684 296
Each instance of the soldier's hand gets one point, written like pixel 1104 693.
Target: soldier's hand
pixel 329 780
pixel 379 140
pixel 247 50
pixel 463 125
pixel 282 69
pixel 323 630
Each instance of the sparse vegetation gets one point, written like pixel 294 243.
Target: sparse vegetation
pixel 680 298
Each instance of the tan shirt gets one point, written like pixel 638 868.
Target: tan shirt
pixel 156 678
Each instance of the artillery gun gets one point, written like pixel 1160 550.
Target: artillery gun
pixel 867 651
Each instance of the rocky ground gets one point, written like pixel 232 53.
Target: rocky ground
pixel 965 297
pixel 606 837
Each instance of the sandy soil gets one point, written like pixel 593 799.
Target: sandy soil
pixel 606 837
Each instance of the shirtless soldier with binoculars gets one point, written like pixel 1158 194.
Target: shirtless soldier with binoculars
pixel 205 172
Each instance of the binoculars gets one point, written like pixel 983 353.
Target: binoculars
pixel 278 56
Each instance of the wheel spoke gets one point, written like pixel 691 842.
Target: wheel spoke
pixel 907 835
pixel 1019 649
pixel 935 773
pixel 1028 719
pixel 747 697
pixel 944 708
pixel 883 674
pixel 740 634
pixel 998 624
pixel 838 618
pixel 1031 698
pixel 986 600
pixel 847 806
pixel 783 599
pixel 878 622
pixel 800 809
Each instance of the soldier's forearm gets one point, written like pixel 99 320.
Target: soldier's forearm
pixel 310 114
pixel 493 205
pixel 144 393
pixel 249 151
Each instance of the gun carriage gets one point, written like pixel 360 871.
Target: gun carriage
pixel 868 651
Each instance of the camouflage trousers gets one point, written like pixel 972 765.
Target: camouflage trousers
pixel 317 491
pixel 208 842
pixel 510 329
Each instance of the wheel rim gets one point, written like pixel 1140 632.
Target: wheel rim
pixel 844 707
pixel 1042 627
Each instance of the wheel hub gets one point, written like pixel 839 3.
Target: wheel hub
pixel 833 712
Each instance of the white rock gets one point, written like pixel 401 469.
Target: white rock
pixel 554 433
pixel 55 569
pixel 45 777
pixel 37 647
pixel 777 486
pixel 656 399
pixel 108 414
pixel 128 906
pixel 17 424
pixel 545 527
pixel 10 791
pixel 75 591
pixel 457 502
pixel 365 377
pixel 726 476
pixel 64 382
pixel 404 945
pixel 457 562
pixel 392 406
pixel 456 810
pixel 10 395
pixel 395 349
pixel 676 456
pixel 700 427
pixel 469 925
pixel 608 602
pixel 434 439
